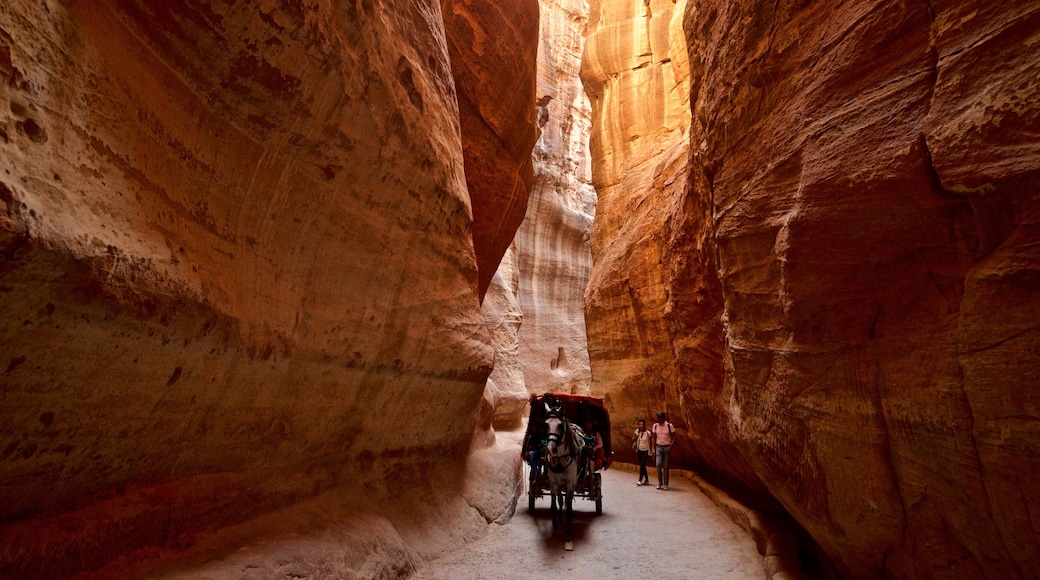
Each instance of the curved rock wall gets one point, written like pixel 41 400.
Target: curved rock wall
pixel 652 305
pixel 493 52
pixel 852 330
pixel 873 181
pixel 505 392
pixel 237 252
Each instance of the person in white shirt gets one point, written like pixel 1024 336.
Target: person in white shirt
pixel 641 445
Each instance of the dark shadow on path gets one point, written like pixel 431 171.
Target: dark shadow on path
pixel 583 524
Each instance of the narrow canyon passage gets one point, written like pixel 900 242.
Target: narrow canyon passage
pixel 677 534
pixel 278 276
pixel 643 533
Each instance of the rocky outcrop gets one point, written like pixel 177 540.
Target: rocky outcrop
pixel 505 392
pixel 237 250
pixel 553 252
pixel 852 333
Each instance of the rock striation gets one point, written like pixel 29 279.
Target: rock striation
pixel 836 297
pixel 493 52
pixel 505 392
pixel 553 250
pixel 652 305
pixel 238 247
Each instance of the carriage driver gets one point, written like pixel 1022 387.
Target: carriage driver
pixel 537 447
pixel 598 456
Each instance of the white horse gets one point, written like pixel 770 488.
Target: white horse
pixel 564 456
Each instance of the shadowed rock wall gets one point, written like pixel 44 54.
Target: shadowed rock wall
pixel 238 262
pixel 873 170
pixel 493 52
pixel 867 352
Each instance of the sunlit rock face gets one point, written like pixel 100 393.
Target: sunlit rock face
pixel 553 255
pixel 653 303
pixel 238 266
pixel 837 298
pixel 505 393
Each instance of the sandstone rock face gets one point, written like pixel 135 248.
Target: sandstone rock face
pixel 505 390
pixel 653 305
pixel 874 194
pixel 493 50
pixel 553 252
pixel 237 252
pixel 853 333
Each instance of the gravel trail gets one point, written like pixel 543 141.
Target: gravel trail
pixel 643 533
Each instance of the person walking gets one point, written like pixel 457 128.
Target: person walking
pixel 663 437
pixel 641 445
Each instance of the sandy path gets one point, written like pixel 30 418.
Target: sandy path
pixel 643 533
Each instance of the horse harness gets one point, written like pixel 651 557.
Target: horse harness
pixel 561 464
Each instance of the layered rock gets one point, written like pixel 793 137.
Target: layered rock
pixel 505 392
pixel 553 252
pixel 237 251
pixel 875 273
pixel 653 300
pixel 493 50
pixel 866 352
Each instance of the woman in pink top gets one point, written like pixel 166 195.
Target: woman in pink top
pixel 664 436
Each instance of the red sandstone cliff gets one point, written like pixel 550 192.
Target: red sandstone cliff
pixel 652 305
pixel 853 332
pixel 237 245
pixel 493 54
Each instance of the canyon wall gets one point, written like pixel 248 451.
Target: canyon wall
pixel 837 297
pixel 493 54
pixel 652 305
pixel 553 254
pixel 506 392
pixel 241 268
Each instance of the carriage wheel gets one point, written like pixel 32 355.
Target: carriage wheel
pixel 530 500
pixel 597 488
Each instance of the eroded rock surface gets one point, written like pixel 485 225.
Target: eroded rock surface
pixel 868 351
pixel 505 392
pixel 553 251
pixel 493 50
pixel 238 262
pixel 645 278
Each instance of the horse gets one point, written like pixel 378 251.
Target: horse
pixel 564 456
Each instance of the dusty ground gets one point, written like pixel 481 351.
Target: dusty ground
pixel 643 533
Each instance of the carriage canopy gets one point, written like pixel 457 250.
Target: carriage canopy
pixel 588 412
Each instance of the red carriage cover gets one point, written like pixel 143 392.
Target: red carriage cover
pixel 579 409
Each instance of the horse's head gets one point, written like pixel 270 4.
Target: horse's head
pixel 556 430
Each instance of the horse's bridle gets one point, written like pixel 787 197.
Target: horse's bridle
pixel 559 460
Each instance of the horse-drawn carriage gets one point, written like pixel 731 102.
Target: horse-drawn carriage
pixel 565 434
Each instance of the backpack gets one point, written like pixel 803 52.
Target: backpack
pixel 671 429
